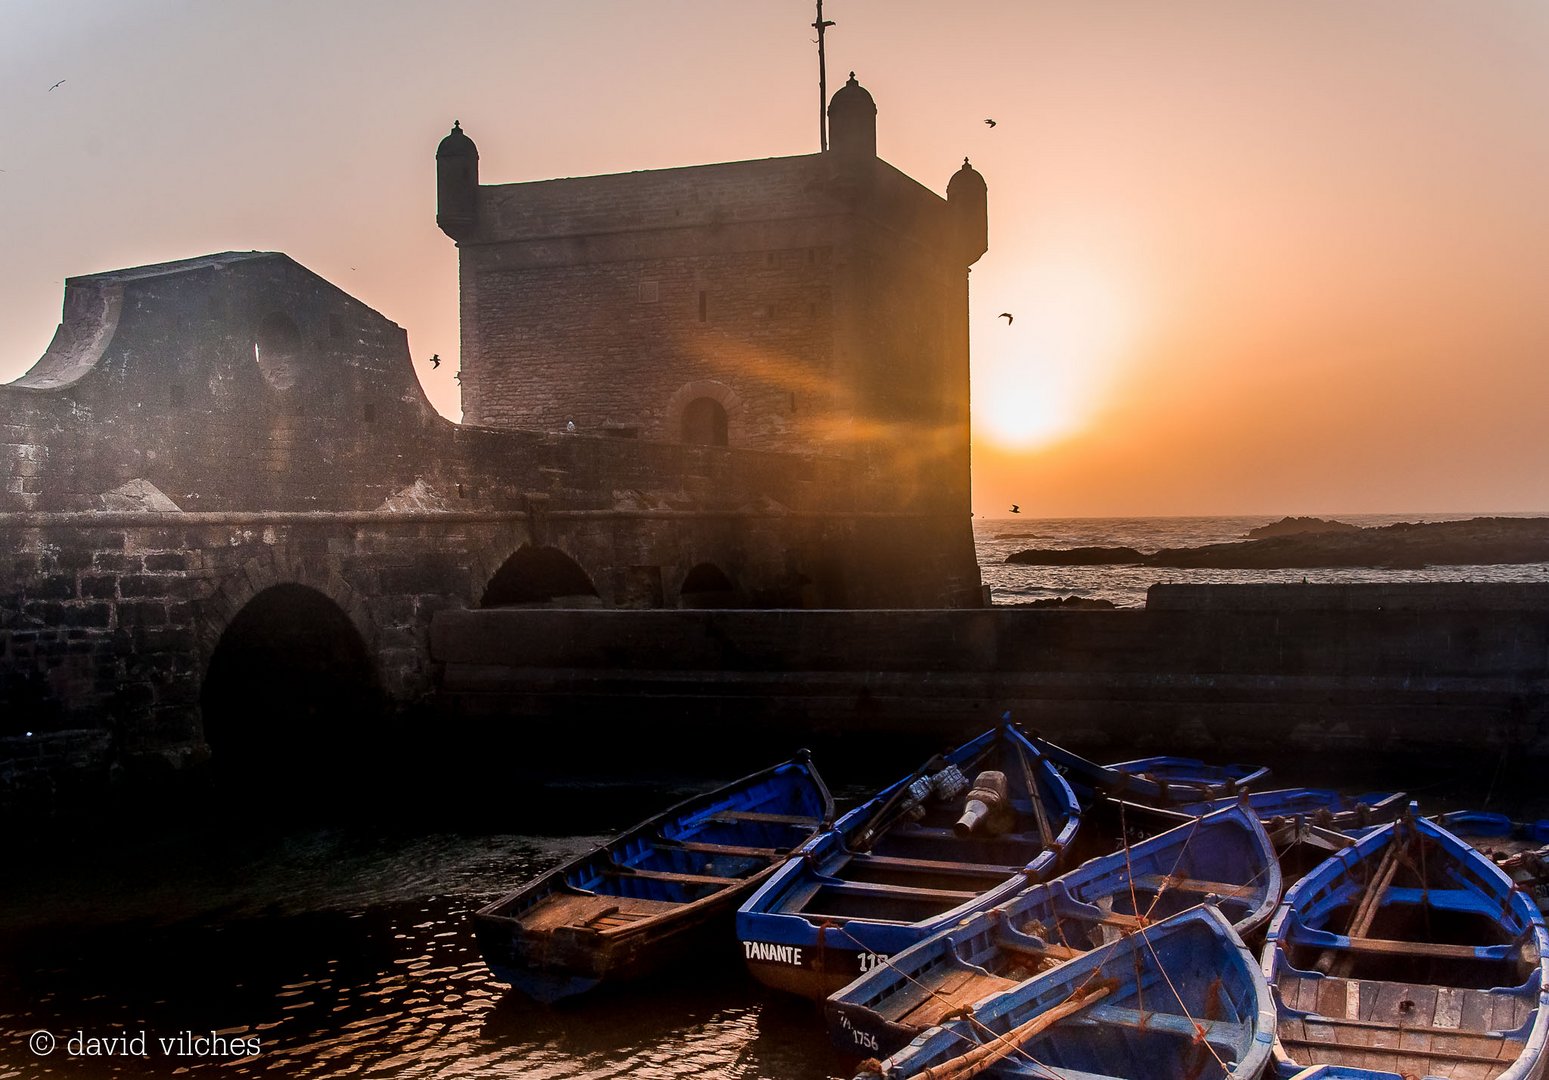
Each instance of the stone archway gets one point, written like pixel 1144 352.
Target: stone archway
pixel 704 412
pixel 540 576
pixel 290 690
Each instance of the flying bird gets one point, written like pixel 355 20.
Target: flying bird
pixel 990 122
pixel 56 86
pixel 435 361
pixel 1016 508
pixel 459 377
pixel 1007 316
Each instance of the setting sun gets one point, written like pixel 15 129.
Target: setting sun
pixel 1043 376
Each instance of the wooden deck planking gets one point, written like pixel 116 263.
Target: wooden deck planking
pixel 959 988
pixel 590 911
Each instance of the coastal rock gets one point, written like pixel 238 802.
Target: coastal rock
pixel 1298 526
pixel 1407 545
pixel 1081 556
pixel 1072 603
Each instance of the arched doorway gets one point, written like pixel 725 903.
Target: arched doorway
pixel 291 691
pixel 707 586
pixel 540 577
pixel 704 422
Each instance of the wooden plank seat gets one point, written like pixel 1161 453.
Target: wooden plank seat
pixel 664 875
pixel 733 817
pixel 708 848
pixel 868 888
pixel 1389 947
pixel 939 866
pixel 1171 1023
pixel 1158 882
pixel 1358 1046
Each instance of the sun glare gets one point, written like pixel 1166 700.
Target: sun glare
pixel 1042 377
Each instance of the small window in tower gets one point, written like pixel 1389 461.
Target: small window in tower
pixel 769 311
pixel 704 306
pixel 368 414
pixel 793 401
pixel 649 292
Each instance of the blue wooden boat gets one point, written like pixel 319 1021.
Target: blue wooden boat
pixel 1180 999
pixel 668 885
pixel 1342 1072
pixel 1224 858
pixel 1410 952
pixel 1153 781
pixel 1520 848
pixel 1329 809
pixel 909 862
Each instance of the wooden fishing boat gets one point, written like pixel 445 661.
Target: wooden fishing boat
pixel 1180 999
pixel 1329 809
pixel 663 887
pixel 1520 848
pixel 914 859
pixel 1410 952
pixel 1224 858
pixel 1153 781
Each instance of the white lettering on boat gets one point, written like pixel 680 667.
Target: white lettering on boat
pixel 780 954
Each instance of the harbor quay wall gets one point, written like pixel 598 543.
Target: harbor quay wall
pixel 1213 670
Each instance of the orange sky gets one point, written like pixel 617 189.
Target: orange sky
pixel 1286 257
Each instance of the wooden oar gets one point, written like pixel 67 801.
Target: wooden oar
pixel 1365 911
pixel 981 1057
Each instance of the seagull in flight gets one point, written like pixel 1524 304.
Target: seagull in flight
pixel 435 361
pixel 56 86
pixel 1016 508
pixel 1007 316
pixel 990 122
pixel 458 375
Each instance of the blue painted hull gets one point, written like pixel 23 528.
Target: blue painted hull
pixel 883 879
pixel 1225 856
pixel 1410 952
pixel 1152 781
pixel 665 888
pixel 1182 998
pixel 1328 809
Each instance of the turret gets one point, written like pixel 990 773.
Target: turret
pixel 968 201
pixel 457 184
pixel 852 123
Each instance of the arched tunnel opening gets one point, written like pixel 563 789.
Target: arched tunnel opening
pixel 291 696
pixel 540 577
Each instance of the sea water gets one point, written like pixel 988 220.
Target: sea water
pixel 1125 586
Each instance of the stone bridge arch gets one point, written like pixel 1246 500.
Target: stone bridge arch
pixel 540 575
pixel 291 688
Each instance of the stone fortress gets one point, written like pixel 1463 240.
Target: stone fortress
pixel 226 499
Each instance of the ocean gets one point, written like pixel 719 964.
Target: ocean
pixel 1125 586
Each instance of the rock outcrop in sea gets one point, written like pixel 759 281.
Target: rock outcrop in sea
pixel 1406 545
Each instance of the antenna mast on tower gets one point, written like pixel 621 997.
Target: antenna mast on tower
pixel 821 25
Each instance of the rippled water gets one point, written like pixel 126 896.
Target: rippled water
pixel 1126 586
pixel 345 949
pixel 343 952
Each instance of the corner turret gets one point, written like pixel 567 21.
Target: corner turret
pixel 457 184
pixel 852 122
pixel 968 200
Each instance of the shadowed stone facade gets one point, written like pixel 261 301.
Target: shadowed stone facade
pixel 811 304
pixel 201 433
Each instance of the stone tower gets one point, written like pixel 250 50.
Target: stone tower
pixel 808 304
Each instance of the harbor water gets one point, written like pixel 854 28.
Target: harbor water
pixel 274 937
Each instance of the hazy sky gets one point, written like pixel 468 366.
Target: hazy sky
pixel 1285 257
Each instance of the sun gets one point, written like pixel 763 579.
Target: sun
pixel 1045 375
